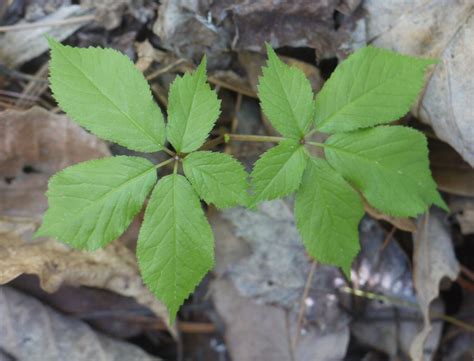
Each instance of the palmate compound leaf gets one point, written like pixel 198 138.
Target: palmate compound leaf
pixel 103 91
pixel 279 170
pixel 373 86
pixel 286 97
pixel 218 178
pixel 328 211
pixel 390 165
pixel 175 246
pixel 92 203
pixel 192 110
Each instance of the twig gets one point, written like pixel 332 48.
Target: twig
pixel 165 69
pixel 467 272
pixel 64 22
pixel 235 119
pixel 407 304
pixel 307 286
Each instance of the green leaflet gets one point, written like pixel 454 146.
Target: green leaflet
pixel 328 211
pixel 217 177
pixel 371 87
pixel 92 203
pixel 390 165
pixel 279 170
pixel 103 91
pixel 192 110
pixel 286 97
pixel 175 246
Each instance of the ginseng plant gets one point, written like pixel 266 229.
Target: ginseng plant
pixel 92 203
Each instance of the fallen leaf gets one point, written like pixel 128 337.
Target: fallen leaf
pixel 386 316
pixel 113 268
pixel 253 332
pixel 34 332
pixel 265 333
pixel 34 144
pixel 405 224
pixel 451 173
pixel 433 260
pixel 19 46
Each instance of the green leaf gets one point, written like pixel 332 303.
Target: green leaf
pixel 175 246
pixel 217 177
pixel 373 86
pixel 286 97
pixel 103 91
pixel 328 211
pixel 390 165
pixel 192 110
pixel 92 203
pixel 279 170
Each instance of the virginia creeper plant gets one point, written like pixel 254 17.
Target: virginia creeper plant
pixel 93 203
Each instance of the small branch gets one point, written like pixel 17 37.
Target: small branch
pixel 65 22
pixel 407 304
pixel 307 286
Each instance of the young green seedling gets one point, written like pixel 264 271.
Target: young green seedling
pixel 92 203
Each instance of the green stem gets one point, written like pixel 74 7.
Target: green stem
pixel 316 144
pixel 175 165
pixel 311 132
pixel 253 138
pixel 162 164
pixel 169 151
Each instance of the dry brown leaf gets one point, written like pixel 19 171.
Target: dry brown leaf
pixel 433 260
pixel 451 172
pixel 19 46
pixel 34 144
pixel 405 224
pixel 34 332
pixel 113 268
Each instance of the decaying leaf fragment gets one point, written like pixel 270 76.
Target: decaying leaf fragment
pixel 433 260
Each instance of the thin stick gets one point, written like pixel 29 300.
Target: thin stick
pixel 467 272
pixel 165 69
pixel 65 22
pixel 303 303
pixel 235 120
pixel 388 238
pixel 407 304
